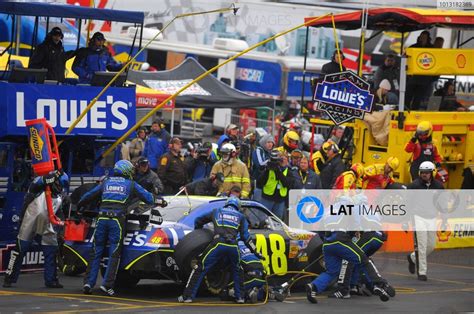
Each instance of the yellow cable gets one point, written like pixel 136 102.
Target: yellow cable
pixel 336 41
pixel 200 77
pixel 91 104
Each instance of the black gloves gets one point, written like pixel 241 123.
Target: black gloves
pixel 161 202
pixel 259 256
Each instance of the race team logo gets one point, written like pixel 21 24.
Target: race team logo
pixel 36 144
pixel 343 96
pixel 425 61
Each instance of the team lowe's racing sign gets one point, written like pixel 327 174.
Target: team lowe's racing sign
pixel 111 116
pixel 343 96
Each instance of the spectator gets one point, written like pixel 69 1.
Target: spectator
pixel 156 145
pixel 275 183
pixel 295 158
pixel 146 177
pixel 383 96
pixel 333 168
pixel 50 55
pixel 199 163
pixel 248 146
pixel 232 131
pixel 337 134
pixel 448 98
pixel 390 71
pixel 235 171
pixel 305 178
pixel 137 145
pixel 261 154
pixel 335 65
pixel 418 84
pixel 172 170
pixel 94 58
pixel 206 186
pixel 438 42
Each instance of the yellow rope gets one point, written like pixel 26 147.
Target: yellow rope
pixel 336 41
pixel 200 77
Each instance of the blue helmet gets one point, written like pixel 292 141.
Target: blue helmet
pixel 234 202
pixel 124 168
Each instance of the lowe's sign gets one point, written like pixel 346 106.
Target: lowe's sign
pixel 344 96
pixel 111 116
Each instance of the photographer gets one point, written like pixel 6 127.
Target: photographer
pixel 275 182
pixel 200 161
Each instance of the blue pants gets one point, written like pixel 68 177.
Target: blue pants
pixel 16 259
pixel 369 242
pixel 336 249
pixel 278 208
pixel 215 252
pixel 108 230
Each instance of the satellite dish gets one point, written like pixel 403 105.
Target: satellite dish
pixel 282 45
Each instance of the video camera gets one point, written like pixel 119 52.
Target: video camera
pixel 201 150
pixel 274 160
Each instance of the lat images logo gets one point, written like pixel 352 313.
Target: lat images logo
pixel 307 206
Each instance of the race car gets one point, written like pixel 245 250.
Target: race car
pixel 162 244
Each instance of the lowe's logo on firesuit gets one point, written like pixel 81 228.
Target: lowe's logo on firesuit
pixel 63 112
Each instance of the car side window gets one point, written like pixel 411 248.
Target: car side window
pixel 257 218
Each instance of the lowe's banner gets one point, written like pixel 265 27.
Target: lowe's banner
pixel 111 116
pixel 258 77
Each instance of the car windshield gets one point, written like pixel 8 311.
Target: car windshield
pixel 260 218
pixel 179 206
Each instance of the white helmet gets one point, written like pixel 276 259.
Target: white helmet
pixel 426 166
pixel 228 148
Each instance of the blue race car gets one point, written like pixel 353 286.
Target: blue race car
pixel 162 244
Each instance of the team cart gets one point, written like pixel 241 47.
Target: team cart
pixel 161 243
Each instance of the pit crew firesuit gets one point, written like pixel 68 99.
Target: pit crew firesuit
pixel 374 177
pixel 229 225
pixel 423 150
pixel 340 256
pixel 116 193
pixel 36 222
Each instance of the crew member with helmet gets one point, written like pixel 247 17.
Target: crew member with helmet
pixel 230 226
pixel 291 141
pixel 423 149
pixel 350 180
pixel 379 176
pixel 116 193
pixel 235 172
pixel 424 222
pixel 333 167
pixel 341 255
pixel 35 221
pixel 319 157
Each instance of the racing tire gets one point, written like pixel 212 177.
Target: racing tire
pixel 314 250
pixel 186 255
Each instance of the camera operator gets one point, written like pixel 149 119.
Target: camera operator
pixel 146 177
pixel 275 183
pixel 200 161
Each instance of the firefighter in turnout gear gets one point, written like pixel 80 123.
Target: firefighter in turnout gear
pixel 35 221
pixel 230 226
pixel 116 192
pixel 235 172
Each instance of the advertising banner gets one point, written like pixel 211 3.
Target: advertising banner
pixel 259 77
pixel 111 116
pixel 424 61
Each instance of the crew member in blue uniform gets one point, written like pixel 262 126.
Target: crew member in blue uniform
pixel 229 226
pixel 35 221
pixel 116 193
pixel 341 254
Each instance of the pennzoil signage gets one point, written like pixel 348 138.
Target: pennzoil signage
pixel 343 96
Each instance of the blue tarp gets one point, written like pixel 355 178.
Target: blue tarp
pixel 70 11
